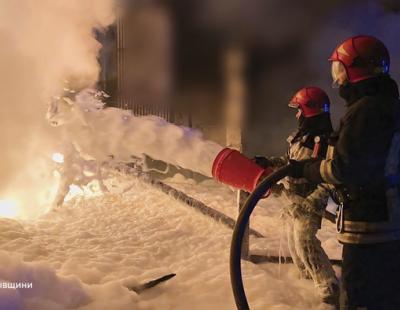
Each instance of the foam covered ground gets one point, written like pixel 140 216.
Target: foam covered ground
pixel 82 256
pixel 265 218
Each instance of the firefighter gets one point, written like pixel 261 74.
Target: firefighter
pixel 307 204
pixel 364 167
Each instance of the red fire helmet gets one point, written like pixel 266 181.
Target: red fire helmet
pixel 362 57
pixel 311 101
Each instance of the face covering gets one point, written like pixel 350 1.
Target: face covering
pixel 301 120
pixel 345 91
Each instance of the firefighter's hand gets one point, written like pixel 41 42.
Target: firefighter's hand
pixel 297 170
pixel 262 161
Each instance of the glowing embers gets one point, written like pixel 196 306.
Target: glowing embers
pixel 9 208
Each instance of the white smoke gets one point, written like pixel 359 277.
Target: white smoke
pixel 43 43
pixel 100 134
pixel 95 137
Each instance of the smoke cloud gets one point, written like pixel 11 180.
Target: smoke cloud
pixel 43 43
pixel 367 18
pixel 288 43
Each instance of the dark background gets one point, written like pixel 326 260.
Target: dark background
pixel 177 51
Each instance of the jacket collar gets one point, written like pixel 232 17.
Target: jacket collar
pixel 382 85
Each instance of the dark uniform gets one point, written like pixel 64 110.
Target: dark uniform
pixel 364 166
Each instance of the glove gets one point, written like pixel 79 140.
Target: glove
pixel 262 161
pixel 297 170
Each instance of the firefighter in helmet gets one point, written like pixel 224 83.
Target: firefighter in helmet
pixel 365 169
pixel 307 201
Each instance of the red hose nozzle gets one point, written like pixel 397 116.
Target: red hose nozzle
pixel 233 168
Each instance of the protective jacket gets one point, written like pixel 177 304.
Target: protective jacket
pixel 311 140
pixel 364 164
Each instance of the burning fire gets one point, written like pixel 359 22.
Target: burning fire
pixel 75 191
pixel 13 207
pixel 13 204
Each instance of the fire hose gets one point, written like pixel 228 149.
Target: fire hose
pixel 239 230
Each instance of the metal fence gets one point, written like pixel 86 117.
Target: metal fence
pixel 138 88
